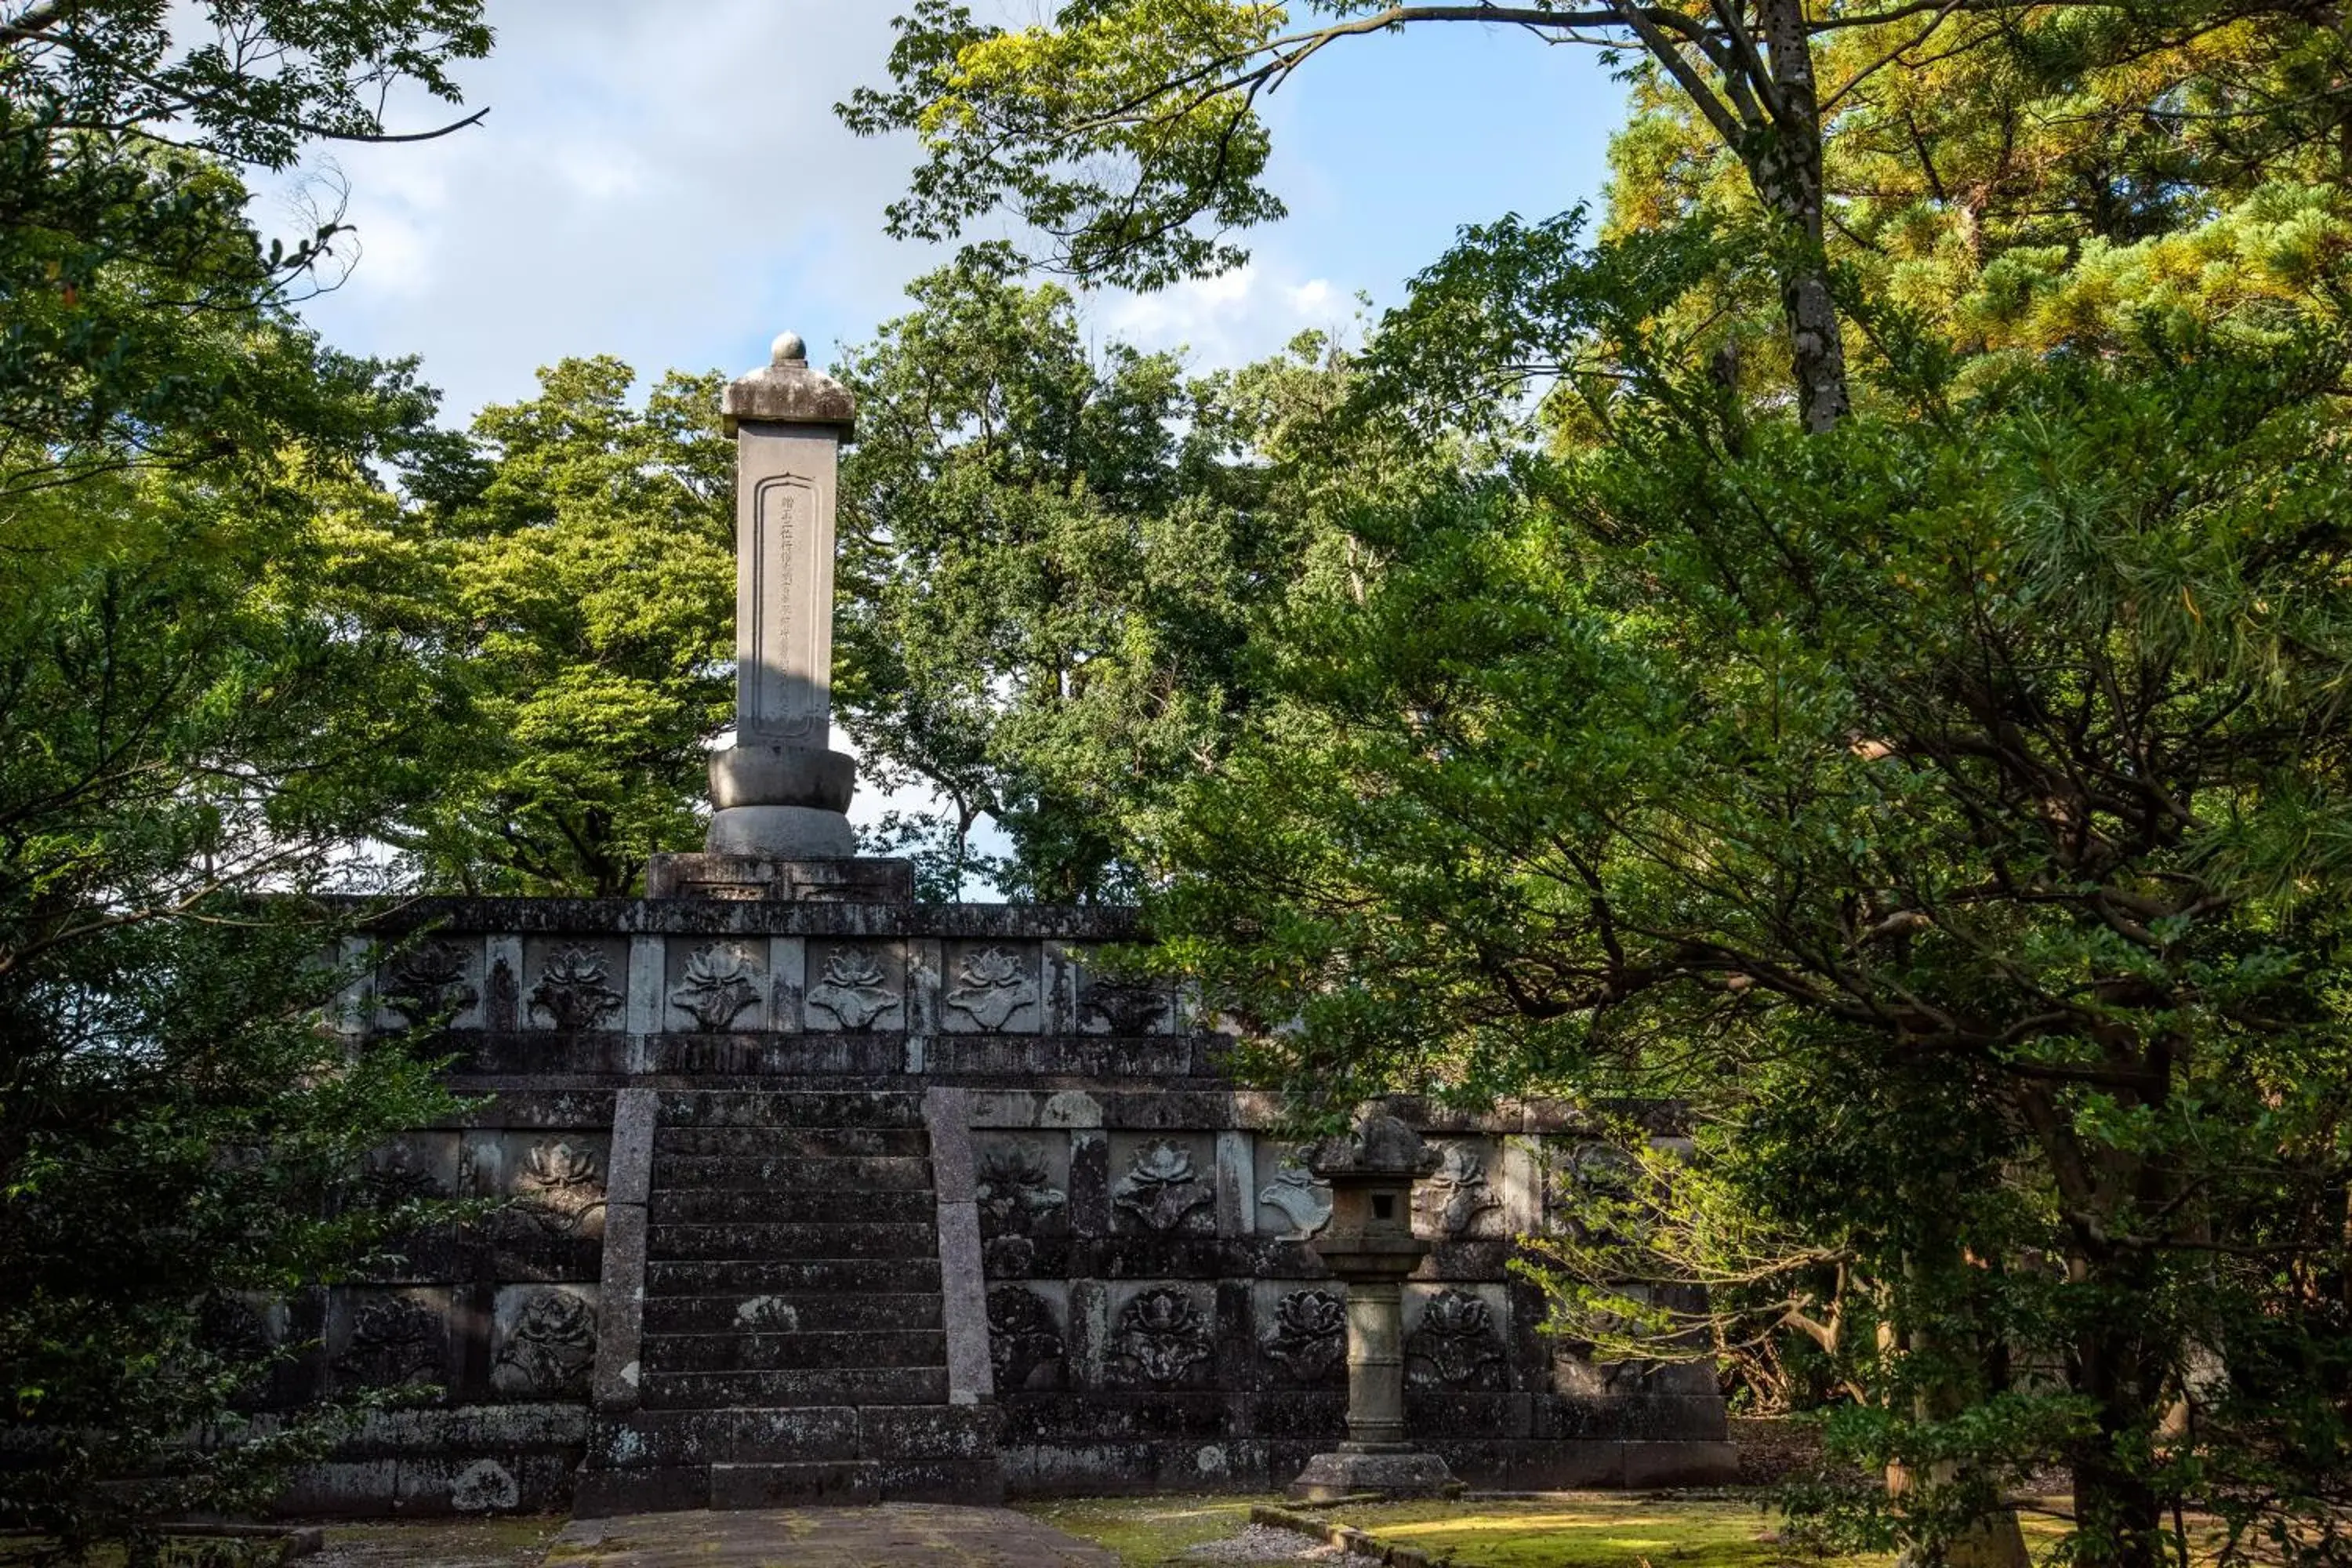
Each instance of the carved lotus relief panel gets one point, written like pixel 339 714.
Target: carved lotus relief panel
pixel 1587 1188
pixel 1022 1183
pixel 575 985
pixel 1025 1346
pixel 856 988
pixel 552 1181
pixel 1163 1185
pixel 390 1341
pixel 545 1342
pixel 1460 1200
pixel 991 988
pixel 1113 1003
pixel 1162 1336
pixel 1454 1342
pixel 714 987
pixel 1303 1334
pixel 413 1167
pixel 435 983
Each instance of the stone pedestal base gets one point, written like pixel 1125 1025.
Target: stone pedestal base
pixel 1355 1469
pixel 820 881
pixel 781 803
pixel 782 833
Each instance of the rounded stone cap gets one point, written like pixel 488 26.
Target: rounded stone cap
pixel 1380 1146
pixel 786 391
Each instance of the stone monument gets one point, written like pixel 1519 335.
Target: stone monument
pixel 799 1189
pixel 780 793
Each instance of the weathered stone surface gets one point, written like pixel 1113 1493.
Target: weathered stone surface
pixel 864 1385
pixel 1399 1474
pixel 731 1159
pixel 814 1312
pixel 755 1239
pixel 785 1352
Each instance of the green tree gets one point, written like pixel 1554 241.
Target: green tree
pixel 1983 753
pixel 1050 560
pixel 217 681
pixel 589 550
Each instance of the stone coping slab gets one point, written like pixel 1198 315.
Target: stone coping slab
pixel 925 1535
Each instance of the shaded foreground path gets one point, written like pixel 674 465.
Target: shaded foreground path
pixel 923 1535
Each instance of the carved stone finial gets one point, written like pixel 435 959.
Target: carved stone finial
pixel 788 349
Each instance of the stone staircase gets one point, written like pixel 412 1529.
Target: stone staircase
pixel 793 1349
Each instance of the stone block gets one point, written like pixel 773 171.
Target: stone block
pixel 919 1432
pixel 1329 1477
pixel 1317 1416
pixel 811 1312
pixel 755 1351
pixel 714 985
pixel 988 987
pixel 1163 1335
pixel 714 1391
pixel 574 984
pixel 702 1277
pixel 856 985
pixel 659 1439
pixel 603 1494
pixel 1681 1464
pixel 1469 1415
pixel 553 1183
pixel 1287 1200
pixel 758 1240
pixel 738 1486
pixel 340 1489
pixel 709 1205
pixel 1456 1337
pixel 1021 1181
pixel 1163 1184
pixel 1028 1337
pixel 1105 1417
pixel 390 1338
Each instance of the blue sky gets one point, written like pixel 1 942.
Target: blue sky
pixel 666 181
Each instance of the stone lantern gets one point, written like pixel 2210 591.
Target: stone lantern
pixel 1370 1245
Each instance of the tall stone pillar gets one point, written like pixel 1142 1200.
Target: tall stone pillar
pixel 780 793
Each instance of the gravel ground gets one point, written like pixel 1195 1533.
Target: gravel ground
pixel 1263 1543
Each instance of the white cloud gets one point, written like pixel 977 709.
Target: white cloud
pixel 1242 315
pixel 666 182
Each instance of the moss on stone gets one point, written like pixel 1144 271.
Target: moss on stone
pixel 1590 1531
pixel 1146 1532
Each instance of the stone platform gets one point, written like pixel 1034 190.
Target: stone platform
pixel 814 1193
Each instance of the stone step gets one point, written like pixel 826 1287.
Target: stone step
pixel 790 1205
pixel 860 1385
pixel 787 1352
pixel 831 1311
pixel 745 1147
pixel 603 1494
pixel 704 1277
pixel 758 1107
pixel 725 1172
pixel 810 1142
pixel 864 1480
pixel 659 1439
pixel 746 1240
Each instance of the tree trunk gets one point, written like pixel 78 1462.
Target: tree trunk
pixel 2118 1517
pixel 1786 168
